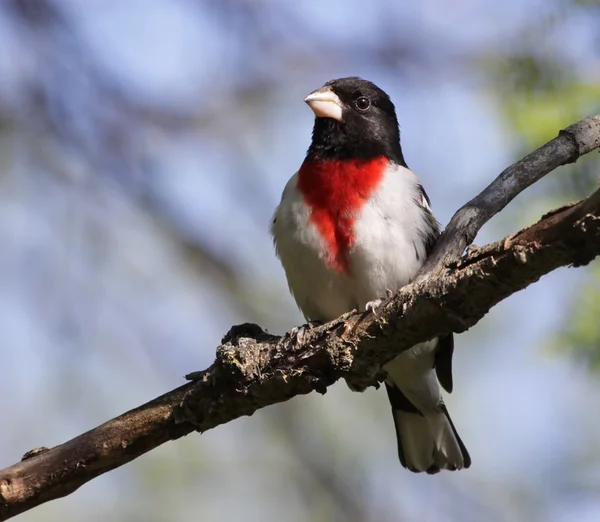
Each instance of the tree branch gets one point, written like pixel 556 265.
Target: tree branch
pixel 254 369
pixel 570 144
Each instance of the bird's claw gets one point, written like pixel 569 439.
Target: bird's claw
pixel 298 332
pixel 371 306
pixel 471 248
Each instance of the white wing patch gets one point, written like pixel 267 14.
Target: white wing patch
pixel 425 203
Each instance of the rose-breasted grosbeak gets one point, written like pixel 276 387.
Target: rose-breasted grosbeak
pixel 354 223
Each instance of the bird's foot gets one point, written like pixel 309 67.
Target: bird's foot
pixel 470 249
pixel 298 332
pixel 372 306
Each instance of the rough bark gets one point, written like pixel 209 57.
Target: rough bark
pixel 254 369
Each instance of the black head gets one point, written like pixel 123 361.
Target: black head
pixel 355 119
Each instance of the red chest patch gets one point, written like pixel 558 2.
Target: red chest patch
pixel 335 192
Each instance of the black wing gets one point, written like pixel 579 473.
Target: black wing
pixel 443 361
pixel 445 347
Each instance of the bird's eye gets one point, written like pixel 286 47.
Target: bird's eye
pixel 362 103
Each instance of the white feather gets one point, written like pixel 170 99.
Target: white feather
pixel 388 250
pixel 412 372
pixel 417 444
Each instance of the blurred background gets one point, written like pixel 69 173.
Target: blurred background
pixel 143 147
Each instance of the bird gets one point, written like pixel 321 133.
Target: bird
pixel 354 224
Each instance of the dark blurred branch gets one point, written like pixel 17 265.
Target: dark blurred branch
pixel 254 369
pixel 571 143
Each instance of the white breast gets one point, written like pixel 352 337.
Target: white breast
pixel 390 247
pixel 321 292
pixel 388 251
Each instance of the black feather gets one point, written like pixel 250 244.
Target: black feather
pixel 443 361
pixel 445 348
pixel 361 135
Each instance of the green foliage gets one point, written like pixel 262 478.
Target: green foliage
pixel 580 335
pixel 538 94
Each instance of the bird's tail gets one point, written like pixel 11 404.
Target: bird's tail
pixel 426 442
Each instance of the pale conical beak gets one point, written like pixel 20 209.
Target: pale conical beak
pixel 325 103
